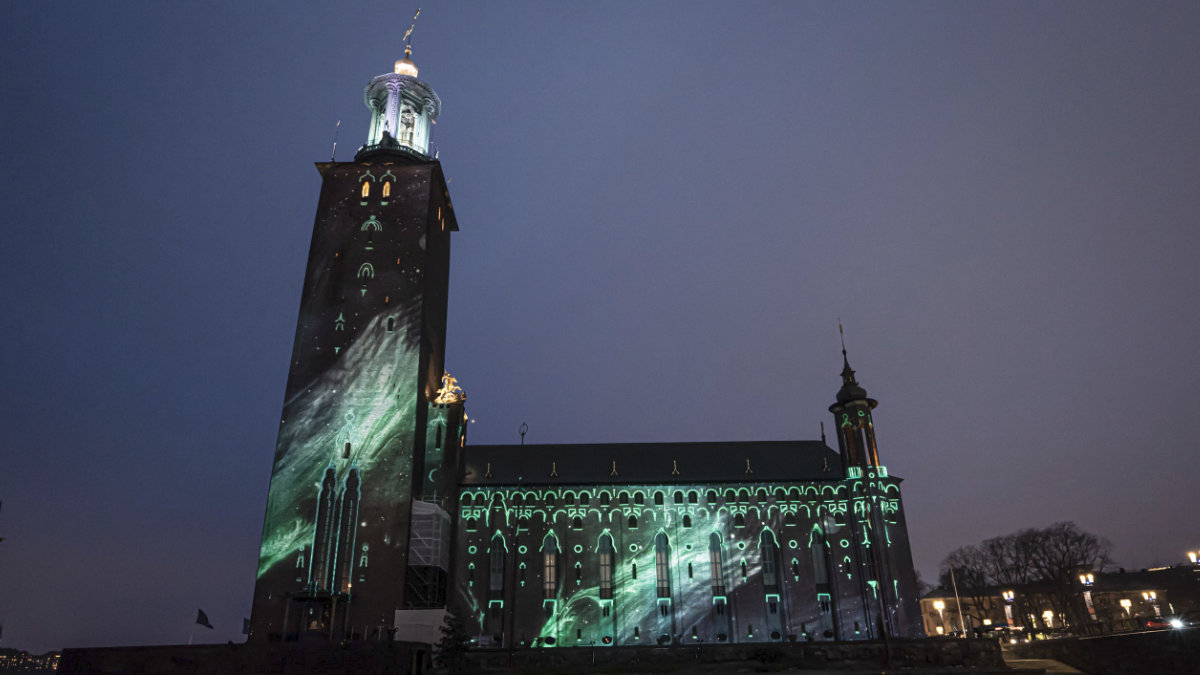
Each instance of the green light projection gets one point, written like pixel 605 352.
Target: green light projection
pixel 580 615
pixel 357 414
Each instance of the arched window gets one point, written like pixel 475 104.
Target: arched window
pixel 366 189
pixel 550 566
pixel 496 566
pixel 623 498
pixel 711 497
pixel 739 520
pixel 770 561
pixel 606 567
pixel 639 498
pixel 577 523
pixel 678 497
pixel 687 521
pixel 633 522
pixel 716 565
pixel 472 524
pixel 387 189
pixel 693 497
pixel 662 565
pixel 603 499
pixel 584 499
pixel 658 499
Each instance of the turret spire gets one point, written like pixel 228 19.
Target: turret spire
pixel 403 108
pixel 847 371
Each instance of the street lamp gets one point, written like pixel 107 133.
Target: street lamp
pixel 1087 579
pixel 1192 556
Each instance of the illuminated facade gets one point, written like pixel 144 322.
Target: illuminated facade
pixel 375 506
pixel 681 543
pixel 357 522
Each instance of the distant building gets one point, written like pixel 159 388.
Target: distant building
pixel 17 661
pixel 1099 602
pixel 377 507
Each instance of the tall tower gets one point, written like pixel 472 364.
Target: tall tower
pixel 365 441
pixel 888 586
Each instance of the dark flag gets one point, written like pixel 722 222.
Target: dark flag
pixel 245 626
pixel 202 619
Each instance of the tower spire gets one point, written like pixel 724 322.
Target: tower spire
pixel 403 109
pixel 847 371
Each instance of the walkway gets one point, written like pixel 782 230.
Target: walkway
pixel 1049 665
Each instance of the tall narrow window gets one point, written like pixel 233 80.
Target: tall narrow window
pixel 715 564
pixel 770 562
pixel 606 567
pixel 662 565
pixel 387 188
pixel 496 576
pixel 550 567
pixel 366 189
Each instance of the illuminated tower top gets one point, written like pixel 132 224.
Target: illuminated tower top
pixel 403 110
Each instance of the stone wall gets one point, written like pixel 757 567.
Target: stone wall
pixel 232 659
pixel 1168 652
pixel 928 653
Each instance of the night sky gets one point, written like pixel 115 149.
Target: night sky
pixel 665 209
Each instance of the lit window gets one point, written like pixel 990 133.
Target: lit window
pixel 768 547
pixel 387 188
pixel 715 564
pixel 366 189
pixel 550 567
pixel 606 568
pixel 662 565
pixel 496 576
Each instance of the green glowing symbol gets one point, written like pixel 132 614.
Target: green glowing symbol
pixel 366 271
pixel 372 224
pixel 340 322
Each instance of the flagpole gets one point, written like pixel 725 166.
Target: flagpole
pixel 958 602
pixel 190 636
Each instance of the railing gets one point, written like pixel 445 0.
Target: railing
pixel 390 144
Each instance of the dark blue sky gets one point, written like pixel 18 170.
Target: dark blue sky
pixel 665 209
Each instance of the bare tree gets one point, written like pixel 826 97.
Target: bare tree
pixel 970 577
pixel 1062 551
pixel 1038 563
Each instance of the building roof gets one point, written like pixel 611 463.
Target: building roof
pixel 651 463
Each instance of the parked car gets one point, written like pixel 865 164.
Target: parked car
pixel 1158 622
pixel 1186 620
